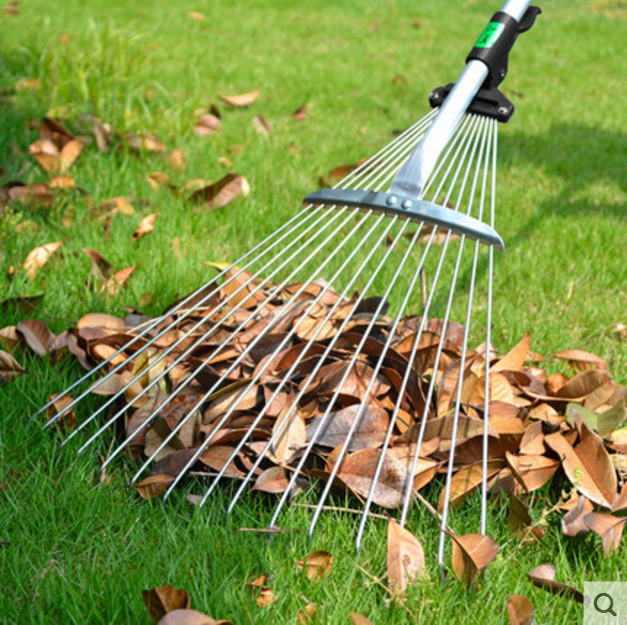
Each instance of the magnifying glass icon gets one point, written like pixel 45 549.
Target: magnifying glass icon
pixel 610 606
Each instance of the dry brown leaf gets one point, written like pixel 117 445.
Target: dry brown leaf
pixel 147 143
pixel 222 192
pixel 53 156
pixel 207 125
pixel 467 480
pixel 38 257
pixel 543 576
pixel 515 359
pixel 317 565
pixel 265 597
pixel 163 599
pixel 573 522
pixel 608 527
pixel 520 610
pixel 159 180
pixel 244 99
pixel 588 466
pixel 176 159
pixel 117 281
pixel 300 113
pixel 10 369
pixel 153 486
pixel 581 360
pixel 262 125
pixel 37 335
pixel 291 436
pixel 189 617
pixel 195 15
pixel 146 226
pixel 273 480
pixel 307 615
pixel 358 619
pixel 9 338
pixel 471 554
pixel 61 182
pixel 406 557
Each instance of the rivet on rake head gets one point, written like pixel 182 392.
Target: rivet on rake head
pixel 391 200
pixel 406 204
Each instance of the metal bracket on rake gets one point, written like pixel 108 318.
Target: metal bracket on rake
pixel 409 208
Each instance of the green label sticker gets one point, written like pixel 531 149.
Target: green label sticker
pixel 490 35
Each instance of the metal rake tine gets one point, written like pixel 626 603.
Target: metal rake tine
pixel 486 407
pixel 412 132
pixel 311 376
pixel 161 406
pixel 407 498
pixel 157 320
pixel 229 370
pixel 241 326
pixel 458 399
pixel 205 444
pixel 188 333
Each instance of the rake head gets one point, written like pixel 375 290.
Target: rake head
pixel 328 350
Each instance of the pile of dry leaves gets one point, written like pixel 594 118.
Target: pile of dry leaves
pixel 540 425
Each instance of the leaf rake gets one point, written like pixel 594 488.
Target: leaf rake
pixel 288 353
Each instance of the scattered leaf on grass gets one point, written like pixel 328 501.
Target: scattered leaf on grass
pixel 406 557
pixel 543 576
pixel 608 527
pixel 10 369
pixel 573 522
pixel 158 179
pixel 36 334
pixel 163 599
pixel 189 617
pixel 177 160
pixel 317 565
pixel 207 125
pixel 520 610
pixel 195 15
pixel 222 192
pixel 153 485
pixel 38 257
pixel 307 615
pixel 358 619
pixel 300 113
pixel 471 554
pixel 244 99
pixel 262 125
pixel 146 225
pixel 144 143
pixel 117 281
pixel 587 465
pixel 56 149
pixel 66 422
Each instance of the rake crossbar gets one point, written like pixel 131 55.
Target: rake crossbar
pixel 409 208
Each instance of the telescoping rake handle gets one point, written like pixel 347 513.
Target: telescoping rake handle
pixel 475 91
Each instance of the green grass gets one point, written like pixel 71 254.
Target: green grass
pixel 80 552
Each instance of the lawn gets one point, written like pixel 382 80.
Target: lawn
pixel 77 551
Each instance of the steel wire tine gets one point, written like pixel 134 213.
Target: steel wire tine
pixel 462 363
pixel 161 406
pixel 354 424
pixel 269 298
pixel 244 353
pixel 445 321
pixel 486 406
pixel 303 390
pixel 199 323
pixel 424 317
pixel 307 213
pixel 311 377
pixel 286 377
